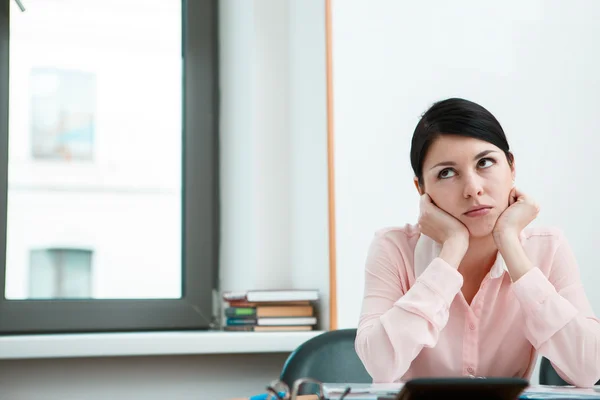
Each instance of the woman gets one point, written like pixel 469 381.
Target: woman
pixel 470 291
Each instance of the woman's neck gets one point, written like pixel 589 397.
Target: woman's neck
pixel 479 259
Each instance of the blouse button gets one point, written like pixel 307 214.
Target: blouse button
pixel 472 327
pixel 470 370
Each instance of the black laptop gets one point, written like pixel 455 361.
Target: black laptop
pixel 461 388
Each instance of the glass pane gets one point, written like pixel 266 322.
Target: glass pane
pixel 42 275
pixel 60 273
pixel 75 274
pixel 95 150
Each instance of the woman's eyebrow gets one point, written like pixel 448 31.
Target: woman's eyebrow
pixel 452 163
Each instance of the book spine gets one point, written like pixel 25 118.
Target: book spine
pixel 240 312
pixel 239 328
pixel 241 321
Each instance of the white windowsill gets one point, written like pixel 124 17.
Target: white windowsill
pixel 149 344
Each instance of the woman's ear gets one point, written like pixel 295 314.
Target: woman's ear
pixel 419 189
pixel 513 168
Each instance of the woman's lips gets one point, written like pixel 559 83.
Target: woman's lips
pixel 479 212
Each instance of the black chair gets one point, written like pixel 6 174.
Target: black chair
pixel 549 376
pixel 329 357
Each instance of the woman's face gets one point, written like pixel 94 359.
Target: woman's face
pixel 470 179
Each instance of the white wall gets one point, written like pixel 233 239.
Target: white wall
pixel 309 215
pixel 140 378
pixel 533 64
pixel 274 231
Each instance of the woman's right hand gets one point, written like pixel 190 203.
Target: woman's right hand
pixel 442 227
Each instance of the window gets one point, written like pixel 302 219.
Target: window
pixel 62 120
pixel 108 165
pixel 60 274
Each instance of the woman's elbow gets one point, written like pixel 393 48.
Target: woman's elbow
pixel 584 377
pixel 587 377
pixel 584 380
pixel 378 360
pixel 362 351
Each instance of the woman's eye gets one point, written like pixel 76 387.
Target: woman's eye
pixel 485 163
pixel 446 173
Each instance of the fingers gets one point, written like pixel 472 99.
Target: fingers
pixel 425 203
pixel 521 197
pixel 512 196
pixel 426 200
pixel 517 196
pixel 518 192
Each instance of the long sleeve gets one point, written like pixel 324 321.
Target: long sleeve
pixel 560 323
pixel 397 322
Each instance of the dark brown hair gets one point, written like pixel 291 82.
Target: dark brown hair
pixel 455 116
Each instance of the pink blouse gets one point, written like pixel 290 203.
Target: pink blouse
pixel 415 321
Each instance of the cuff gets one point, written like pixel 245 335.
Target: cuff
pixel 443 279
pixel 546 312
pixel 432 294
pixel 532 290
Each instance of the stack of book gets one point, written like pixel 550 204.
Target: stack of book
pixel 270 310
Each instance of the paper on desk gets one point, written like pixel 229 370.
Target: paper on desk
pixel 366 391
pixel 558 392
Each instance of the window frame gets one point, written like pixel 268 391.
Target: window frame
pixel 200 207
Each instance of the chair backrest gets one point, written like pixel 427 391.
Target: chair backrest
pixel 329 357
pixel 549 376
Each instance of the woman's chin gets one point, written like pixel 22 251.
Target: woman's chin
pixel 481 230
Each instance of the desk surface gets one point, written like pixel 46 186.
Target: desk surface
pixel 306 397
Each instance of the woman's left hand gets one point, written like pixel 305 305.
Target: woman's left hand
pixel 521 210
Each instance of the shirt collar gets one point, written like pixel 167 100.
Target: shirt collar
pixel 427 249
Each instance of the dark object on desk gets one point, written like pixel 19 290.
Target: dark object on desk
pixel 463 388
pixel 549 376
pixel 329 357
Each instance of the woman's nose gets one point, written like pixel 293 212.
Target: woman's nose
pixel 473 186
